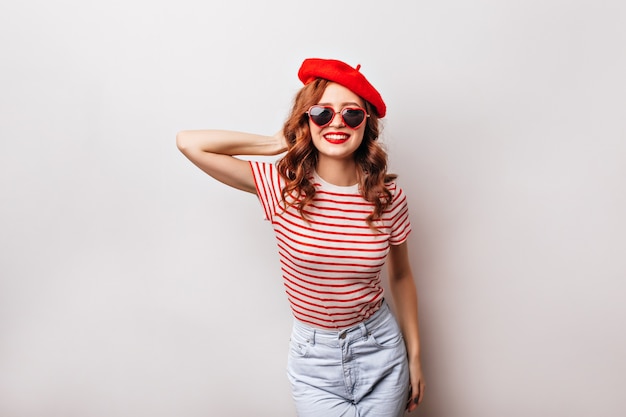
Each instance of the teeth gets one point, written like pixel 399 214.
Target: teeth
pixel 337 136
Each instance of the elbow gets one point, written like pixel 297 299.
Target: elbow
pixel 181 141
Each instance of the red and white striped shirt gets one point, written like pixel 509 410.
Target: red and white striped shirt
pixel 331 261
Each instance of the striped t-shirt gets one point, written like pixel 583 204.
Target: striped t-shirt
pixel 331 261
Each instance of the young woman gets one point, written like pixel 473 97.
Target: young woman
pixel 338 216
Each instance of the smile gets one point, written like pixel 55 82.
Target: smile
pixel 336 138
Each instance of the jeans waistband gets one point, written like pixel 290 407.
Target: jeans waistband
pixel 359 330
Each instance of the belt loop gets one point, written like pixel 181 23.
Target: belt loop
pixel 363 328
pixel 312 337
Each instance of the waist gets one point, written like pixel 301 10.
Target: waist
pixel 361 329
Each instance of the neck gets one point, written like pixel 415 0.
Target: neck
pixel 337 172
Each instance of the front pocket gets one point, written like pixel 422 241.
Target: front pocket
pixel 387 336
pixel 298 345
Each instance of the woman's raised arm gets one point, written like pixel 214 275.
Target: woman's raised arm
pixel 213 152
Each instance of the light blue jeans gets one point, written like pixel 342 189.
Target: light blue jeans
pixel 358 372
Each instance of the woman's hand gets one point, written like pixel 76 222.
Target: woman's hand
pixel 417 385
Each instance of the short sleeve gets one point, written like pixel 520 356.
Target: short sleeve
pixel 268 187
pixel 398 215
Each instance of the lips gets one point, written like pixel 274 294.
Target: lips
pixel 336 138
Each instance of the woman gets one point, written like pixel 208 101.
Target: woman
pixel 337 216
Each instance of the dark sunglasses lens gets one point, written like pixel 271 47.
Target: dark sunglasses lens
pixel 353 117
pixel 321 115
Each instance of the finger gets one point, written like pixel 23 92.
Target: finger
pixel 413 399
pixel 420 393
pixel 416 400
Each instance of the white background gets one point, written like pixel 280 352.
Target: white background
pixel 131 284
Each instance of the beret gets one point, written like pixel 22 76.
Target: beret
pixel 344 74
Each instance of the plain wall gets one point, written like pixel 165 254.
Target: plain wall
pixel 131 284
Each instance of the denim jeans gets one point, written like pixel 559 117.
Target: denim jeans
pixel 358 372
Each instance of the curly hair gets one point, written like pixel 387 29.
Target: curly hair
pixel 301 158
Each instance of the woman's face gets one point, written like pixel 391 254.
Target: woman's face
pixel 336 140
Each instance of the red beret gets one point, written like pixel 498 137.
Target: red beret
pixel 344 74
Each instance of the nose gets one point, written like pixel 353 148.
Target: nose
pixel 337 116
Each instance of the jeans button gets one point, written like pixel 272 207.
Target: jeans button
pixel 342 335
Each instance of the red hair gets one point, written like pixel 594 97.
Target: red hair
pixel 300 160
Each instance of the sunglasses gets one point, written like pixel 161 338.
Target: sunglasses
pixel 322 116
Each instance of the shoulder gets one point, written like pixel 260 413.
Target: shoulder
pixel 392 185
pixel 266 173
pixel 394 188
pixel 398 196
